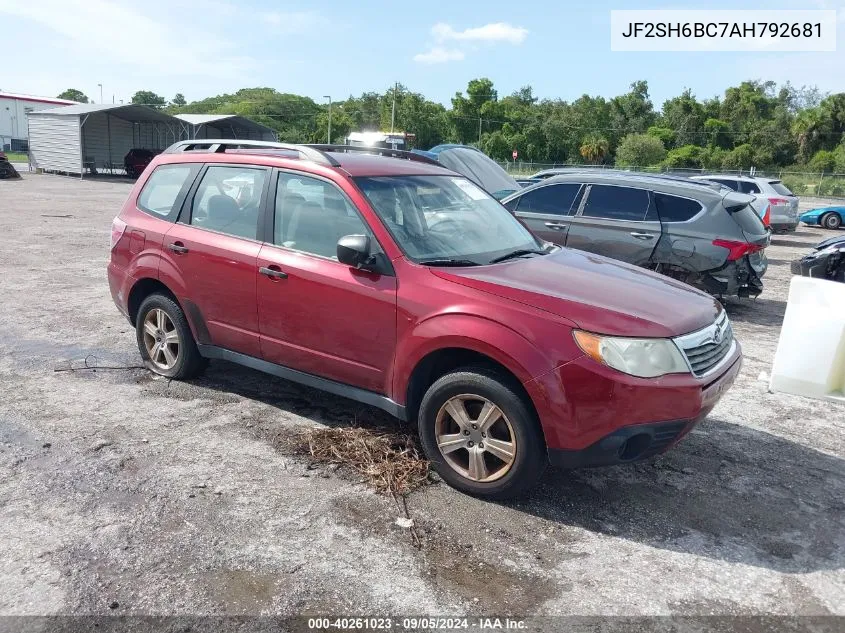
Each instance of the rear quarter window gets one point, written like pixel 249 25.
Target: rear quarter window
pixel 165 187
pixel 674 209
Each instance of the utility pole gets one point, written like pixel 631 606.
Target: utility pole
pixel 330 117
pixel 101 92
pixel 479 132
pixel 393 109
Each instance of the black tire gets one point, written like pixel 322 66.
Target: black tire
pixel 831 221
pixel 531 457
pixel 189 362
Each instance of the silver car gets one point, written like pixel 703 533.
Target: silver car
pixel 701 233
pixel 783 209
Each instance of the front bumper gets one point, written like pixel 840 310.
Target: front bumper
pixel 593 415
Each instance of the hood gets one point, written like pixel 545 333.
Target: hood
pixel 596 293
pixel 477 166
pixel 839 239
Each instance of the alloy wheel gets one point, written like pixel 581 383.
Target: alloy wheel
pixel 161 339
pixel 475 437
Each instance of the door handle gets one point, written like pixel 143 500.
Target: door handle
pixel 178 247
pixel 273 273
pixel 555 225
pixel 642 236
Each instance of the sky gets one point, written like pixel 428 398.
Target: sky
pixel 202 48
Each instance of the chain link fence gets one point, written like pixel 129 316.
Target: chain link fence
pixel 800 183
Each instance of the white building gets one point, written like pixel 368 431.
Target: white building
pixel 13 110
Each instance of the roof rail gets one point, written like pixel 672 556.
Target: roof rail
pixel 381 151
pixel 219 145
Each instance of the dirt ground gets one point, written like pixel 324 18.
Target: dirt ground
pixel 124 494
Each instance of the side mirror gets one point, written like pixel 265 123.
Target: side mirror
pixel 353 250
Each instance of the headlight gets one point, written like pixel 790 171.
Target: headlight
pixel 643 357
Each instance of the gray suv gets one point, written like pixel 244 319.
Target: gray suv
pixel 701 233
pixel 783 209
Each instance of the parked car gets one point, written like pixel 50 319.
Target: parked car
pixel 825 261
pixel 784 204
pixel 405 286
pixel 136 160
pixel 827 217
pixel 475 165
pixel 697 232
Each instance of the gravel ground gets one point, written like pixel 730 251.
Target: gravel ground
pixel 121 493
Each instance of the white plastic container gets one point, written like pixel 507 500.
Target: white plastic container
pixel 810 358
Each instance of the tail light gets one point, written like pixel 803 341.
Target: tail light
pixel 738 250
pixel 779 201
pixel 767 216
pixel 118 227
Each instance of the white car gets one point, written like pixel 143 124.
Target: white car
pixel 783 209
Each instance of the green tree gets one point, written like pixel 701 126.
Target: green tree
pixel 640 150
pixel 594 149
pixel 179 99
pixel 467 114
pixel 73 95
pixel 685 117
pixel 665 134
pixel 633 111
pixel 717 133
pixel 148 98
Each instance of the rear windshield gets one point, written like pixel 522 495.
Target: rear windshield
pixel 778 186
pixel 748 220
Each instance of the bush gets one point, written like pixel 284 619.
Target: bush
pixel 822 161
pixel 686 156
pixel 740 157
pixel 640 150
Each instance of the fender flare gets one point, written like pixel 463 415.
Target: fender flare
pixel 470 332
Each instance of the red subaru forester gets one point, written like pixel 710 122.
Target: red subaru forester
pixel 385 278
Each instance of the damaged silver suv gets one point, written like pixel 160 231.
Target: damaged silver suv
pixel 701 233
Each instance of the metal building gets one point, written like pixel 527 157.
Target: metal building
pixel 226 126
pixel 87 138
pixel 13 112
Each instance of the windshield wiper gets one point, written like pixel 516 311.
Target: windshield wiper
pixel 448 262
pixel 518 253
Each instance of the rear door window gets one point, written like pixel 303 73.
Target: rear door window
pixel 675 209
pixel 165 189
pixel 549 200
pixel 228 200
pixel 779 187
pixel 616 203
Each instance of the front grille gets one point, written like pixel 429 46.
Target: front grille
pixel 707 348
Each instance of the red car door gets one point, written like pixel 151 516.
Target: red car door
pixel 315 314
pixel 214 249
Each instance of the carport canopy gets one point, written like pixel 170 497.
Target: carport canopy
pixel 91 136
pixel 232 126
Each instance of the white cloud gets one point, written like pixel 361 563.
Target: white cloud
pixel 439 55
pixel 290 21
pixel 98 29
pixel 494 32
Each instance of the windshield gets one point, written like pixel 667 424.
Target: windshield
pixel 442 218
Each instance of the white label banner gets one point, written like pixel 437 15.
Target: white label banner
pixel 723 30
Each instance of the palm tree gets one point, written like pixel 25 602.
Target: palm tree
pixel 594 149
